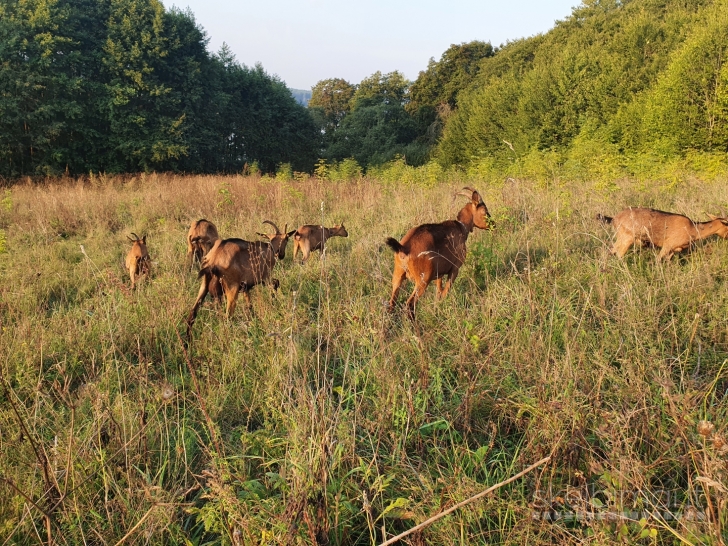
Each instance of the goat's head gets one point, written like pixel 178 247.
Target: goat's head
pixel 477 209
pixel 723 228
pixel 340 230
pixel 278 240
pixel 136 240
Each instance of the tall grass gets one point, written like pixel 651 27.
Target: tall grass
pixel 318 417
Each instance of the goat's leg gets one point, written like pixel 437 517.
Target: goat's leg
pixel 450 279
pixel 306 250
pixel 420 288
pixel 438 284
pixel 622 246
pixel 231 295
pixel 397 279
pixel 200 298
pixel 666 253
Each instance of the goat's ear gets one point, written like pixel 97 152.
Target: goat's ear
pixel 477 200
pixel 144 239
pixel 290 233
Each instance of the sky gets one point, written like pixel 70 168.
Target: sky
pixel 305 41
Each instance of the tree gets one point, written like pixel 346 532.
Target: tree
pixel 36 86
pixel 330 102
pixel 434 94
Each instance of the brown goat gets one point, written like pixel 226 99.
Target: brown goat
pixel 200 239
pixel 431 251
pixel 240 265
pixel 665 230
pixel 309 237
pixel 137 260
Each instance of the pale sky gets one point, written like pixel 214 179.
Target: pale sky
pixel 306 41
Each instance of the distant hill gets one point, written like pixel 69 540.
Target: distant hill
pixel 302 96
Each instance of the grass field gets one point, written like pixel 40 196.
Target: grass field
pixel 321 419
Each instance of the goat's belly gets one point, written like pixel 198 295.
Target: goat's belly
pixel 429 270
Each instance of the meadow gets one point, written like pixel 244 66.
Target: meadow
pixel 319 418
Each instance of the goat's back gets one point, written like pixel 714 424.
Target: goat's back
pixel 430 236
pixel 652 225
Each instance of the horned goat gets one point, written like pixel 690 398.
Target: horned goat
pixel 430 251
pixel 240 265
pixel 309 238
pixel 137 260
pixel 665 230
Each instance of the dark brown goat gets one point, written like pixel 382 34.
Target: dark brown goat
pixel 309 238
pixel 665 230
pixel 240 265
pixel 200 239
pixel 431 251
pixel 137 260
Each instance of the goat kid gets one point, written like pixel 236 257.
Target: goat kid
pixel 240 265
pixel 430 251
pixel 137 260
pixel 309 238
pixel 665 230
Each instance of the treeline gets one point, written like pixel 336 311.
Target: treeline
pixel 618 87
pixel 126 86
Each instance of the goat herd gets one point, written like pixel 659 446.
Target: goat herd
pixel 427 252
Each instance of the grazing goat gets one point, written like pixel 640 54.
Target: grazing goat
pixel 665 230
pixel 240 265
pixel 309 238
pixel 137 260
pixel 431 251
pixel 200 239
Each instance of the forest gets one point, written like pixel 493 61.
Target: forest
pixel 618 88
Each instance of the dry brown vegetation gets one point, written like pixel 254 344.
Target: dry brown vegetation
pixel 320 418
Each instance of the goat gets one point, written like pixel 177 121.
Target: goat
pixel 137 260
pixel 200 239
pixel 431 251
pixel 308 238
pixel 665 230
pixel 240 265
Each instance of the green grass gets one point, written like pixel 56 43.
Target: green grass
pixel 319 418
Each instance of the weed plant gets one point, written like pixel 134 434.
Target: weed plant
pixel 320 419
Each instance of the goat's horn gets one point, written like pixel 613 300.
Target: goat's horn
pixel 272 224
pixel 136 237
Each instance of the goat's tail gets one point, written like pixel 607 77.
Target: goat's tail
pixel 394 245
pixel 604 219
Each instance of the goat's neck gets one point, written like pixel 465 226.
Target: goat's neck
pixel 465 217
pixel 706 229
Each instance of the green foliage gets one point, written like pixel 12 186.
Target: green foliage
pixel 434 94
pixel 330 102
pixel 126 86
pixel 613 80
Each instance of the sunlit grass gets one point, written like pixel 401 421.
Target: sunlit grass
pixel 319 417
